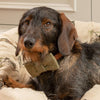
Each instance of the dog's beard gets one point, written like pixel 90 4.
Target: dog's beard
pixel 29 56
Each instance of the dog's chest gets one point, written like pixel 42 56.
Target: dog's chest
pixel 47 81
pixel 50 80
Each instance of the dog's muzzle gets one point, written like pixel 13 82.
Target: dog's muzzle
pixel 29 42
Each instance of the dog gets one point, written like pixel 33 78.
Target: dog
pixel 43 30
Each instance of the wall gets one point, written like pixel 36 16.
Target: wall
pixel 12 10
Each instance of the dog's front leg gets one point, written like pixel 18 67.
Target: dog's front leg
pixel 13 76
pixel 9 82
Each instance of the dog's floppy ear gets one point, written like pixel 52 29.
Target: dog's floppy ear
pixel 17 49
pixel 20 40
pixel 67 37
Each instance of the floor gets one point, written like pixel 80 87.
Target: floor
pixel 4 28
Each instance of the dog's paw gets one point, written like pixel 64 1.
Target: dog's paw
pixel 5 81
pixel 1 83
pixel 8 81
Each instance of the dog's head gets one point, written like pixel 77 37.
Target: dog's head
pixel 43 30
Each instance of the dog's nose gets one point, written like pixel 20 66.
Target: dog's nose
pixel 29 43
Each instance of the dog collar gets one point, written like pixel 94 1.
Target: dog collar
pixel 49 63
pixel 58 56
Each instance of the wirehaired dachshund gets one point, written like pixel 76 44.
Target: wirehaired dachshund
pixel 43 30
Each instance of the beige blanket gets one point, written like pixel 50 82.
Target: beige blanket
pixel 21 94
pixel 92 94
pixel 88 31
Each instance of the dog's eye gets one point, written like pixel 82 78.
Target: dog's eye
pixel 47 23
pixel 27 21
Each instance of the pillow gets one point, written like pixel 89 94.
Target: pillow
pixel 88 31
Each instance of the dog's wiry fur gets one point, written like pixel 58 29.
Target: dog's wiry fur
pixel 43 30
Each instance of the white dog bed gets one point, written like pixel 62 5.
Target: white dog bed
pixel 21 94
